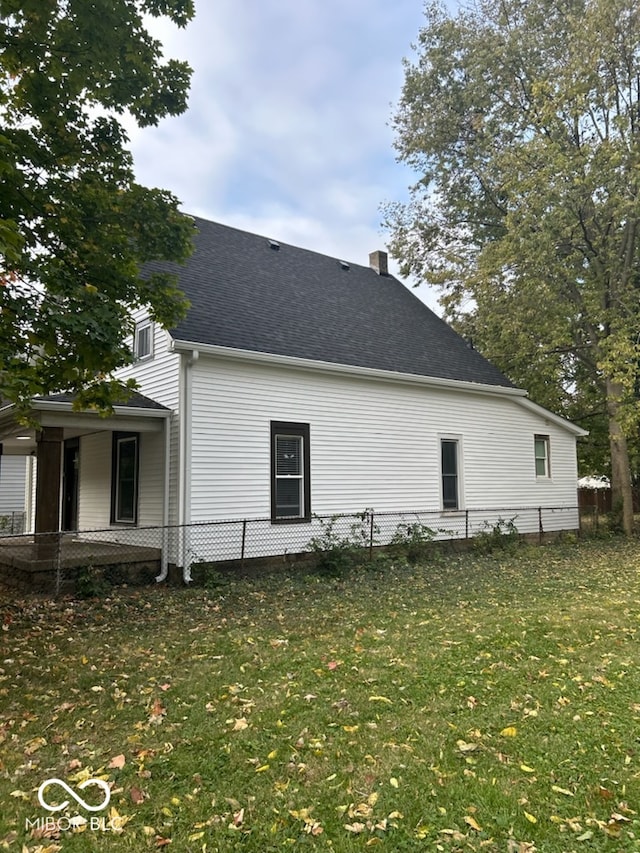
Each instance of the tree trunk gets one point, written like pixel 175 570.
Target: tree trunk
pixel 621 493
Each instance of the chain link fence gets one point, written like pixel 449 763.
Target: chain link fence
pixel 12 523
pixel 61 562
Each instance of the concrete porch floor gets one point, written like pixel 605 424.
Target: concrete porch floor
pixel 69 551
pixel 55 562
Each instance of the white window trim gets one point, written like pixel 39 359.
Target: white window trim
pixel 140 327
pixel 547 457
pixel 119 439
pixel 299 439
pixel 447 436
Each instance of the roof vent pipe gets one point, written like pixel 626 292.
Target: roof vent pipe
pixel 378 262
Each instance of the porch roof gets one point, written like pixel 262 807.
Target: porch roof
pixel 137 414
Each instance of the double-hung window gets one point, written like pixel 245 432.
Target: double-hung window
pixel 450 473
pixel 143 340
pixel 124 478
pixel 541 451
pixel 290 471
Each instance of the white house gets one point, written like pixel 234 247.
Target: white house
pixel 298 385
pixel 12 493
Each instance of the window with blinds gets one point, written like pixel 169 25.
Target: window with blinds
pixel 290 488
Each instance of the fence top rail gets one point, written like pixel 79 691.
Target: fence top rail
pixel 366 514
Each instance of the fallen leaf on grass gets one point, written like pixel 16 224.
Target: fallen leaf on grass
pixel 34 745
pixel 20 795
pixel 509 731
pixel 117 762
pixel 558 790
pixel 137 796
pixel 473 823
pixel 463 746
pixel 157 712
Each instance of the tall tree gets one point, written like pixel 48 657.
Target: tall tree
pixel 522 119
pixel 75 227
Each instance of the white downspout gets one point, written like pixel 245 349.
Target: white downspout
pixel 164 565
pixel 28 497
pixel 186 402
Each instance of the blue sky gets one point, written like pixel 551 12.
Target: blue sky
pixel 288 128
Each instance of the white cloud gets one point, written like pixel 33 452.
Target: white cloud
pixel 287 128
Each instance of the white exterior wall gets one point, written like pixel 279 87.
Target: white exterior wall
pixel 374 444
pixel 12 484
pixel 94 484
pixel 159 379
pixel 94 481
pixel 157 376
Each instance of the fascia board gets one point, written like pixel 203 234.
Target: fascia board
pixel 550 416
pixel 345 369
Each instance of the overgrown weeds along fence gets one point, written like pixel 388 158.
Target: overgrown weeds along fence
pixel 145 553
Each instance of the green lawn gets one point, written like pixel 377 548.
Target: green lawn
pixel 474 703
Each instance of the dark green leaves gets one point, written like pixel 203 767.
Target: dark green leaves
pixel 75 228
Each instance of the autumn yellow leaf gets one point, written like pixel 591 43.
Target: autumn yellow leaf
pixel 466 747
pixel 34 745
pixel 509 731
pixel 472 822
pixel 531 818
pixel 20 795
pixel 558 790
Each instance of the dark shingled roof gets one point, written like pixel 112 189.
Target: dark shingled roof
pixel 135 401
pixel 288 301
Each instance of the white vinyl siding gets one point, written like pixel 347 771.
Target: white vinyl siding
pixel 375 443
pixel 157 377
pixel 94 481
pixel 12 484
